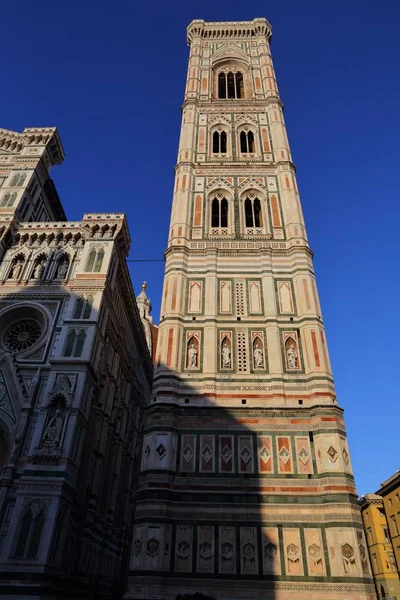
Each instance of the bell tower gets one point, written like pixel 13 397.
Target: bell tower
pixel 246 483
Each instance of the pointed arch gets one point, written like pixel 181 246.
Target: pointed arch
pixel 71 337
pixel 74 343
pixel 258 353
pixel 80 340
pixel 91 259
pixel 99 261
pixel 29 531
pixel 215 213
pixel 226 352
pixel 80 303
pixel 192 352
pixel 224 212
pixel 87 308
pixel 222 85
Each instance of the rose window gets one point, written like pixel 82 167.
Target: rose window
pixel 22 335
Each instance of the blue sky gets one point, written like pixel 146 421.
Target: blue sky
pixel 111 77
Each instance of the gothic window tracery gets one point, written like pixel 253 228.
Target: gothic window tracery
pixel 253 212
pixel 219 212
pixel 83 307
pixel 30 531
pixel 8 199
pixel 95 260
pixel 75 341
pixel 230 84
pixel 219 142
pixel 18 180
pixel 247 142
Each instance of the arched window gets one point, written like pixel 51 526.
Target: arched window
pixel 30 532
pixel 80 340
pixel 87 308
pixel 239 86
pixel 91 259
pixel 83 307
pixel 79 307
pixel 246 142
pixel 253 214
pixel 75 343
pixel 95 260
pixel 99 261
pixel 222 85
pixel 230 85
pixel 219 212
pixel 219 142
pixel 8 199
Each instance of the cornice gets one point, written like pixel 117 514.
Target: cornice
pixel 14 142
pixel 272 248
pixel 217 30
pixel 252 105
pixel 245 164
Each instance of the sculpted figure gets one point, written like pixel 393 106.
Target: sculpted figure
pixel 53 429
pixel 192 353
pixel 292 357
pixel 39 269
pixel 17 269
pixel 226 355
pixel 258 356
pixel 62 270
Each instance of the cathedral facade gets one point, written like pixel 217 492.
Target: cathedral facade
pixel 246 486
pixel 75 374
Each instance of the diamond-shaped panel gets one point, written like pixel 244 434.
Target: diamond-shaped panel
pixel 207 454
pixel 303 455
pixel 245 455
pixel 332 453
pixel 226 454
pixel 265 454
pixel 161 451
pixel 187 454
pixel 284 455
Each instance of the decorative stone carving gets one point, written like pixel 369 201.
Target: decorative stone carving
pixel 16 269
pixel 53 430
pixel 349 559
pixel 292 357
pixel 62 269
pixel 258 356
pixel 39 269
pixel 293 558
pixel 192 356
pixel 315 555
pixel 226 355
pixel 270 552
pixel 152 547
pixel 137 546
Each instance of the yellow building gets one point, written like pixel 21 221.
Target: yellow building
pixel 390 492
pixel 381 545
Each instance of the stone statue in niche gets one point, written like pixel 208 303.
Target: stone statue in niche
pixel 292 357
pixel 39 269
pixel 53 430
pixel 62 269
pixel 192 356
pixel 258 356
pixel 17 269
pixel 226 355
